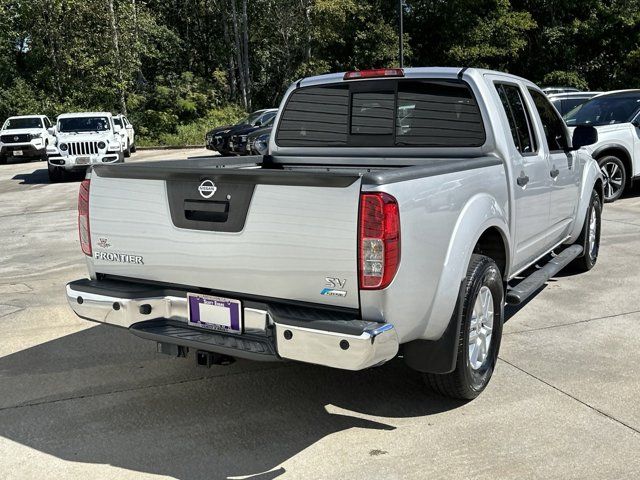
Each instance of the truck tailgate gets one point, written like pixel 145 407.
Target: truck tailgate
pixel 273 234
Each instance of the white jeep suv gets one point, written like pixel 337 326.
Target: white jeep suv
pixel 25 137
pixel 616 116
pixel 83 139
pixel 127 132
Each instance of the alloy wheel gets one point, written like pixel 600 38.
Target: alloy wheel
pixel 480 328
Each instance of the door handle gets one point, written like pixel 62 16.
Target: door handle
pixel 555 172
pixel 522 179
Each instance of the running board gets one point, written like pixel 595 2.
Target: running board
pixel 533 282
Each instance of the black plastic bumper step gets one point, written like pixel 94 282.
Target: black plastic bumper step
pixel 533 282
pixel 252 347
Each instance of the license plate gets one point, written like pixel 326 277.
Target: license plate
pixel 214 313
pixel 82 160
pixel 17 153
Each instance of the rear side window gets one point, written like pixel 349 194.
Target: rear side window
pixel 553 125
pixel 384 113
pixel 519 119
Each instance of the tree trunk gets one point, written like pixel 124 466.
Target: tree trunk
pixel 306 6
pixel 245 51
pixel 239 62
pixel 116 48
pixel 231 70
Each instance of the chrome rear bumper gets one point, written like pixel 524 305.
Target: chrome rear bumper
pixel 366 345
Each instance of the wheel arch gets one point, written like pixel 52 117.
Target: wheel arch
pixel 493 244
pixel 619 151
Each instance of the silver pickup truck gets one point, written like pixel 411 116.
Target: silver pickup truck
pixel 396 213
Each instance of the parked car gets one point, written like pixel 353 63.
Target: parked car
pixel 565 102
pixel 238 142
pixel 25 136
pixel 353 240
pixel 616 117
pixel 220 138
pixel 554 90
pixel 258 140
pixel 83 139
pixel 127 134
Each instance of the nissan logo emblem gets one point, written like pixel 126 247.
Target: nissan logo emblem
pixel 207 189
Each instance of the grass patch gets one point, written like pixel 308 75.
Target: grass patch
pixel 192 133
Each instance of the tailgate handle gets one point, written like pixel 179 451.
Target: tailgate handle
pixel 206 211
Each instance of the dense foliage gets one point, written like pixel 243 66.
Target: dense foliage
pixel 177 66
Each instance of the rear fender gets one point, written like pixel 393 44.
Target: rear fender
pixel 479 214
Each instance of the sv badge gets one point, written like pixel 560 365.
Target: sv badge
pixel 334 282
pixel 334 287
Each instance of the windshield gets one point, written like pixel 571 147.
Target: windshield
pixel 251 119
pixel 15 123
pixel 605 110
pixel 83 124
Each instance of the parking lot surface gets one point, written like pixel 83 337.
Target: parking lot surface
pixel 80 400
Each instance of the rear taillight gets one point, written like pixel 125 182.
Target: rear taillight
pixel 83 217
pixel 378 240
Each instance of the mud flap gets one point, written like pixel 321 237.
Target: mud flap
pixel 437 356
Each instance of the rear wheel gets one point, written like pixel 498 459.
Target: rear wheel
pixel 480 333
pixel 615 177
pixel 590 236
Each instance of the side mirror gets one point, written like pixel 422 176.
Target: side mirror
pixel 257 124
pixel 584 135
pixel 51 131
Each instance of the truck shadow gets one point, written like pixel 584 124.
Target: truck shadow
pixel 244 421
pixel 41 177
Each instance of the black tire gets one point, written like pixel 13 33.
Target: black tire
pixel 56 174
pixel 133 147
pixel 121 156
pixel 591 246
pixel 3 160
pixel 127 152
pixel 465 382
pixel 614 185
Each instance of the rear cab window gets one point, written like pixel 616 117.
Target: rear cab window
pixel 384 113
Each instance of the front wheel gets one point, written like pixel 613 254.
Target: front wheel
pixel 133 147
pixel 590 235
pixel 615 177
pixel 3 160
pixel 480 333
pixel 127 151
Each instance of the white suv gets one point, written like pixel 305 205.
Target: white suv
pixel 616 116
pixel 127 132
pixel 83 139
pixel 25 137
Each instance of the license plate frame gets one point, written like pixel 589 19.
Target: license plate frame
pixel 214 313
pixel 18 153
pixel 83 160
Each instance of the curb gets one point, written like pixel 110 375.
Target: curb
pixel 170 147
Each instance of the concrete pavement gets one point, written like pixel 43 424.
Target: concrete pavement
pixel 79 400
